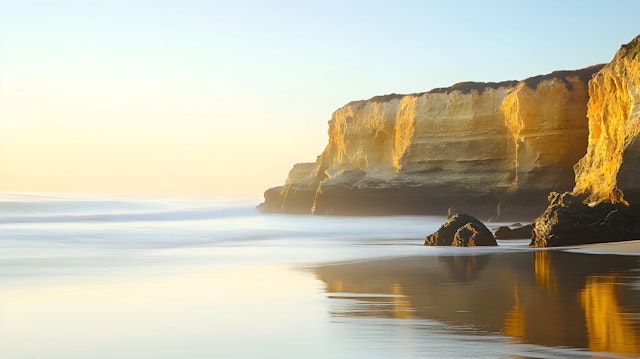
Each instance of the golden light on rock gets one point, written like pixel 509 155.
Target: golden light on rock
pixel 404 129
pixel 614 126
pixel 507 138
pixel 546 119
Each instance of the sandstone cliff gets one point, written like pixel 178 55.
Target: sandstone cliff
pixel 607 176
pixel 611 167
pixel 505 144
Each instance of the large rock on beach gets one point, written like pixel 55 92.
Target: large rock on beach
pixel 461 230
pixel 570 221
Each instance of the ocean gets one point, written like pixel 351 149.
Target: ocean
pixel 88 276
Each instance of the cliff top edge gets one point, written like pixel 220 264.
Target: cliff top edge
pixel 585 74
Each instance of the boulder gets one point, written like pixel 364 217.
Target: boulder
pixel 472 235
pixel 461 230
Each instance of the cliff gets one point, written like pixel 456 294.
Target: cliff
pixel 611 168
pixel 496 147
pixel 605 203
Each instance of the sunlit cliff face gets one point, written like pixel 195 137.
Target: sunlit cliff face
pixel 371 135
pixel 608 171
pixel 547 124
pixel 529 135
pixel 422 152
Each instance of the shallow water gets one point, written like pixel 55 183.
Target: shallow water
pixel 200 278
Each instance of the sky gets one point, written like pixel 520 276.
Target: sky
pixel 223 97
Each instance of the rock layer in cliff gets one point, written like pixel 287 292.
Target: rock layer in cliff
pixel 611 168
pixel 510 143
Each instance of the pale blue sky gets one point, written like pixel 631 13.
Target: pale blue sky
pixel 224 96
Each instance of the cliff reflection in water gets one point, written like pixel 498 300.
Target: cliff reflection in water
pixel 549 298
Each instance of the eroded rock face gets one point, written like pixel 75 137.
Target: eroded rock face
pixel 607 176
pixel 611 168
pixel 461 230
pixel 510 143
pixel 546 117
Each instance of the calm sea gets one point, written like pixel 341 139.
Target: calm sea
pixel 117 277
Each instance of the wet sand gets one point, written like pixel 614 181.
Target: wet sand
pixel 554 298
pixel 622 248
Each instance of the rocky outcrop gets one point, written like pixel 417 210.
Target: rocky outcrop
pixel 461 230
pixel 604 205
pixel 570 221
pixel 611 168
pixel 508 144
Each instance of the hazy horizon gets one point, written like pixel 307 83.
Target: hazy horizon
pixel 210 97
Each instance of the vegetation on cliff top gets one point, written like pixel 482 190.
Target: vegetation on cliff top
pixel 633 47
pixel 584 74
pixel 468 87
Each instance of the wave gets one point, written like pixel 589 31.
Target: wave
pixel 47 209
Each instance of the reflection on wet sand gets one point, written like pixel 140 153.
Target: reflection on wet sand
pixel 608 328
pixel 545 276
pixel 549 298
pixel 514 319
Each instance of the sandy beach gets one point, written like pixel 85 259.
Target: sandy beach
pixel 622 248
pixel 199 279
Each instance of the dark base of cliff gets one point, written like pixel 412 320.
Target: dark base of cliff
pixel 287 200
pixel 518 232
pixel 515 207
pixel 350 201
pixel 354 200
pixel 569 221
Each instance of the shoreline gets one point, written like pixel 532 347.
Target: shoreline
pixel 631 248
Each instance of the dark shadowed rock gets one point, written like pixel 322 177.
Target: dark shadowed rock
pixel 521 207
pixel 484 207
pixel 514 207
pixel 520 232
pixel 569 221
pixel 468 230
pixel 472 235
